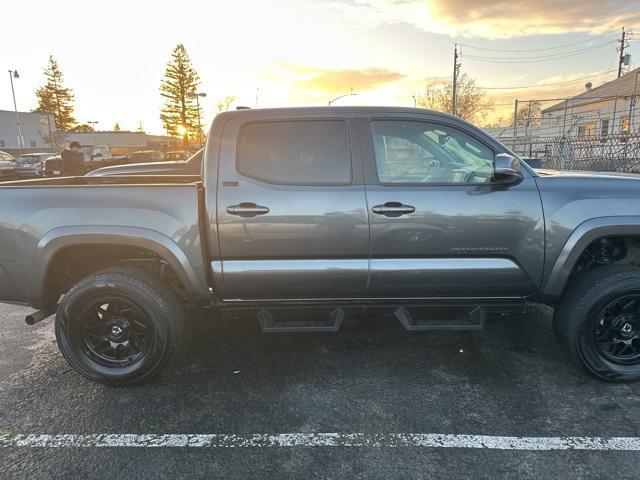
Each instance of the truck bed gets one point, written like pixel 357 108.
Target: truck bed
pixel 41 216
pixel 107 180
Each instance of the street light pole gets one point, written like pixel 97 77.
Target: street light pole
pixel 14 74
pixel 351 94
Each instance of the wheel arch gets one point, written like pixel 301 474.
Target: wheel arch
pixel 61 239
pixel 579 240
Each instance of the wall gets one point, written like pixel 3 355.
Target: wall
pixel 36 130
pixel 588 117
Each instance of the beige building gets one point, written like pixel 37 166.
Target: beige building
pixel 36 128
pixel 605 110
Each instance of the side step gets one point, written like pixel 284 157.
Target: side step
pixel 288 320
pixel 433 319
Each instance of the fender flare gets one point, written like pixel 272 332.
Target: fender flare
pixel 61 238
pixel 579 239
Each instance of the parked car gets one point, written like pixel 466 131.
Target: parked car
pixel 95 156
pixel 146 156
pixel 177 156
pixel 303 214
pixel 7 166
pixel 29 165
pixel 192 166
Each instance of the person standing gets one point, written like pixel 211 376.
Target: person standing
pixel 73 160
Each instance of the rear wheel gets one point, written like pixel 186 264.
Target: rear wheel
pixel 597 322
pixel 119 326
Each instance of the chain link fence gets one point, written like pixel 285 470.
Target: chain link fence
pixel 598 133
pixel 611 153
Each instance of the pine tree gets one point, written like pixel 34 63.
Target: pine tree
pixel 54 97
pixel 179 113
pixel 116 127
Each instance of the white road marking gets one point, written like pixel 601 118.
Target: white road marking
pixel 262 440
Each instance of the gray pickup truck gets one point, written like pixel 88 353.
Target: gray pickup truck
pixel 303 214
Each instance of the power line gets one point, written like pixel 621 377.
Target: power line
pixel 536 59
pixel 539 49
pixel 575 80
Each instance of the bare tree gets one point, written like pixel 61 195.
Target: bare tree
pixel 472 103
pixel 529 115
pixel 224 104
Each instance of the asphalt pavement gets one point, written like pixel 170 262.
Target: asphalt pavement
pixel 271 406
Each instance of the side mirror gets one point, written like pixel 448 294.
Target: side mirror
pixel 506 169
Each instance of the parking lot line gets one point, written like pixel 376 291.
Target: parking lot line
pixel 262 440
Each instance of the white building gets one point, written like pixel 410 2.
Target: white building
pixel 605 110
pixel 37 130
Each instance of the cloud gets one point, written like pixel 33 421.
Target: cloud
pixel 335 80
pixel 496 19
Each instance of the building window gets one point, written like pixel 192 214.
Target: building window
pixel 604 127
pixel 624 125
pixel 588 129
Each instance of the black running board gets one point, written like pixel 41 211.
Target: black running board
pixel 433 319
pixel 275 323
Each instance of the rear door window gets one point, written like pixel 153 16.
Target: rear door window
pixel 301 152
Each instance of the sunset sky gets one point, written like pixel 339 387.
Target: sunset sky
pixel 304 52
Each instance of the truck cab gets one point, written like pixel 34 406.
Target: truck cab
pixel 317 205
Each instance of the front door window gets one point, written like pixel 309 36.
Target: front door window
pixel 417 152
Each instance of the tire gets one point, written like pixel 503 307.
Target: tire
pixel 119 326
pixel 592 319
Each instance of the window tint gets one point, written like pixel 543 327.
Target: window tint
pixel 309 152
pixel 418 152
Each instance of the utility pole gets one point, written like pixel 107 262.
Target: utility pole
pixel 622 47
pixel 456 70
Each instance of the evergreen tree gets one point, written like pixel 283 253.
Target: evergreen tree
pixel 116 127
pixel 179 113
pixel 54 97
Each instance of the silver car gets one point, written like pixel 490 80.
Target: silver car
pixel 31 165
pixel 7 166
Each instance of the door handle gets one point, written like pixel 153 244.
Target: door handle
pixel 247 210
pixel 393 209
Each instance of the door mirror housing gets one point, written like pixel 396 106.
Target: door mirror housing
pixel 506 169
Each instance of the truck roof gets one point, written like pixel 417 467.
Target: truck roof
pixel 349 110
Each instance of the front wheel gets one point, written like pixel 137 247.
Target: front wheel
pixel 119 326
pixel 597 322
